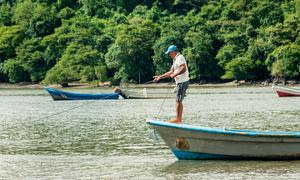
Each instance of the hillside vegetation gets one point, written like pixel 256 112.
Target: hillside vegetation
pixel 61 41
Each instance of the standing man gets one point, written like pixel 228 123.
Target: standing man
pixel 180 73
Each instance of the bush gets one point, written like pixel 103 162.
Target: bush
pixel 15 71
pixel 287 61
pixel 239 68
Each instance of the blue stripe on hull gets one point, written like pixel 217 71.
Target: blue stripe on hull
pixel 186 155
pixel 269 134
pixel 62 95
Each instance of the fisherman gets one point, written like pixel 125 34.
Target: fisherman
pixel 179 71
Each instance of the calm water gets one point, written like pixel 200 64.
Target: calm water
pixel 110 139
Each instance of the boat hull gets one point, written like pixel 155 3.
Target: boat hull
pixel 62 95
pixel 143 95
pixel 194 143
pixel 283 91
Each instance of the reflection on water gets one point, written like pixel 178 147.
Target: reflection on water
pixel 110 139
pixel 235 169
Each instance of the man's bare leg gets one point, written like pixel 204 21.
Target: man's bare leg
pixel 179 109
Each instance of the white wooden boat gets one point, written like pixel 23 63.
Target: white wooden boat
pixel 127 94
pixel 283 91
pixel 189 142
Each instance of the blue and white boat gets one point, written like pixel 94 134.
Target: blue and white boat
pixel 62 95
pixel 189 142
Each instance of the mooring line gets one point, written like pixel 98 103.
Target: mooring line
pixel 75 107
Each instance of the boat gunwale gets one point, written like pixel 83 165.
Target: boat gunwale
pixel 277 87
pixel 275 134
pixel 77 94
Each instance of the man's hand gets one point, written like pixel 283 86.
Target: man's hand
pixel 156 78
pixel 172 76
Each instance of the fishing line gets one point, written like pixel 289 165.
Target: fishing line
pixel 168 93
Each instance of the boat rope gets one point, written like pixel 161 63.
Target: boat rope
pixel 154 136
pixel 72 108
pixel 63 111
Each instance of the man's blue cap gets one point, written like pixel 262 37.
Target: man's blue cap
pixel 171 49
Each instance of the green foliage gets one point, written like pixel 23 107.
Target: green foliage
pixel 199 55
pixel 131 53
pixel 23 13
pixel 239 68
pixel 38 19
pixel 98 40
pixel 297 7
pixel 267 13
pixel 212 11
pixel 66 13
pixel 10 38
pixel 153 14
pixel 61 4
pixel 30 56
pixel 258 51
pixel 98 8
pixel 235 9
pixel 78 63
pixel 287 61
pixel 101 73
pixel 15 71
pixel 6 14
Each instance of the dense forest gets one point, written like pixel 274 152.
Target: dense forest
pixel 61 41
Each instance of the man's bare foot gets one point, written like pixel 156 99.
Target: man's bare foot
pixel 175 121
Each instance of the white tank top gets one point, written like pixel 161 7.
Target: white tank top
pixel 177 61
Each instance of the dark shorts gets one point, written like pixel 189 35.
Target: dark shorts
pixel 181 90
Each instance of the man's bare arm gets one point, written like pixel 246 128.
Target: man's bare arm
pixel 182 69
pixel 163 76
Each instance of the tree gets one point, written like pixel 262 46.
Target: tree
pixel 235 10
pixel 78 63
pixel 236 42
pixel 10 38
pixel 30 57
pixel 216 37
pixel 200 56
pixel 6 14
pixel 267 13
pixel 37 19
pixel 130 55
pixel 258 51
pixel 15 71
pixel 98 8
pixel 82 30
pixel 286 61
pixel 239 68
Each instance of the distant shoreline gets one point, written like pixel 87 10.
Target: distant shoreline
pixel 152 85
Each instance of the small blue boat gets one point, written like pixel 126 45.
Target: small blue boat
pixel 189 142
pixel 62 95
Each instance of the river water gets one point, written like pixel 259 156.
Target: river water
pixel 45 139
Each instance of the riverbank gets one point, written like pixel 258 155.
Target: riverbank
pixel 75 85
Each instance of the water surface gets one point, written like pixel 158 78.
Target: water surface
pixel 45 139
